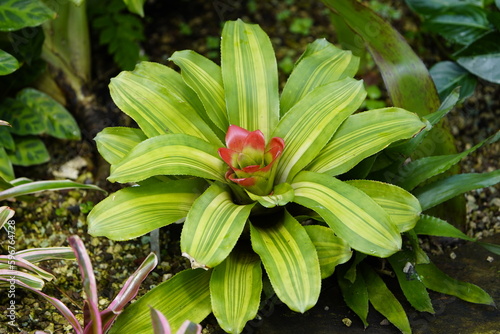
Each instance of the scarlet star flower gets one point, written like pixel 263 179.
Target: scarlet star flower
pixel 251 162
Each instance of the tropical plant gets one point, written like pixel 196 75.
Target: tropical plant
pixel 472 27
pixel 250 203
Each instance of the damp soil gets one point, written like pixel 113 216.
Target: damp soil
pixel 49 218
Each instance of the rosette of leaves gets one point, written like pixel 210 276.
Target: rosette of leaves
pixel 307 224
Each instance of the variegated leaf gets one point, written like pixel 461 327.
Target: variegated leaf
pixel 352 214
pixel 135 211
pixel 250 76
pixel 403 208
pixel 186 296
pixel 331 250
pixel 290 260
pixel 172 154
pixel 212 227
pixel 205 78
pixel 29 151
pixel 315 69
pixel 235 287
pixel 158 109
pixel 308 125
pixel 363 135
pixel 114 143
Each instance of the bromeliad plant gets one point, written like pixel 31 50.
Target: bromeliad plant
pixel 244 201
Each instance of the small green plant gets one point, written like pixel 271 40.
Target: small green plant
pixel 301 25
pixel 272 196
pixel 472 27
pixel 119 29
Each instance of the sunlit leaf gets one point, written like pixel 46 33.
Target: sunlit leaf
pixel 114 143
pixel 290 260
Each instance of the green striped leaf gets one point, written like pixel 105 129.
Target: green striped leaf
pixel 38 186
pixel 186 296
pixel 290 260
pixel 172 154
pixel 176 85
pixel 422 169
pixel 6 169
pixel 351 213
pixel 437 192
pixel 6 213
pixel 158 109
pixel 23 119
pixel 363 135
pixel 354 292
pixel 205 78
pixel 331 250
pixel 18 14
pixel 212 227
pixel 403 208
pixel 235 286
pixel 384 301
pixel 308 125
pixel 30 280
pixel 29 151
pixel 115 143
pixel 436 280
pixel 135 211
pixel 414 290
pixel 250 76
pixel 315 69
pixel 8 63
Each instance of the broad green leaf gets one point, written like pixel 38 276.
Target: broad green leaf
pixel 436 280
pixel 235 286
pixel 462 24
pixel 447 75
pixel 171 154
pixel 6 139
pixel 156 108
pixel 135 211
pixel 403 208
pixel 322 67
pixel 23 119
pixel 384 301
pixel 363 135
pixel 331 250
pixel 429 225
pixel 422 169
pixel 351 213
pixel 186 296
pixel 180 90
pixel 282 195
pixel 17 14
pixel 58 121
pixel 114 143
pixel 415 291
pixel 212 227
pixel 29 151
pixel 250 76
pixel 308 126
pixel 482 57
pixel 6 169
pixel 205 78
pixel 437 192
pixel 135 6
pixel 430 7
pixel 8 63
pixel 37 186
pixel 355 293
pixel 290 260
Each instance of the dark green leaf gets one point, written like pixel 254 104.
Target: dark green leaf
pixel 460 24
pixel 447 75
pixel 429 225
pixel 403 263
pixel 355 293
pixel 482 58
pixel 6 139
pixel 59 122
pixel 436 280
pixel 437 192
pixel 23 119
pixel 6 170
pixel 430 7
pixel 29 151
pixel 17 14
